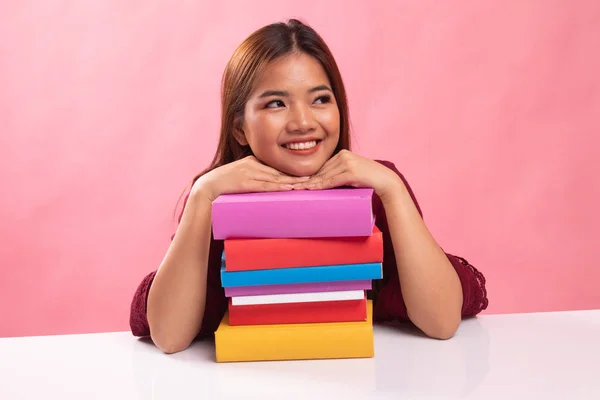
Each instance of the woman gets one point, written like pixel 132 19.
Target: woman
pixel 285 127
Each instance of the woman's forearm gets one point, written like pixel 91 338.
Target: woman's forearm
pixel 430 286
pixel 177 297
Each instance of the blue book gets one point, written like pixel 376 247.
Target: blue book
pixel 328 273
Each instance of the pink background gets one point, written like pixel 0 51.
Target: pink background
pixel 107 109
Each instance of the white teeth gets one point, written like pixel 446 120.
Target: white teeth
pixel 301 146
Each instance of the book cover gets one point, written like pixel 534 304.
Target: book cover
pixel 298 313
pixel 298 297
pixel 295 341
pixel 253 254
pixel 297 288
pixel 294 214
pixel 329 273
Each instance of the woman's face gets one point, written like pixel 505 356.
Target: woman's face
pixel 291 119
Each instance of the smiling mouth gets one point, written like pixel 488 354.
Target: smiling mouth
pixel 302 145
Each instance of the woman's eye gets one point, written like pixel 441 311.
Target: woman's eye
pixel 323 99
pixel 275 104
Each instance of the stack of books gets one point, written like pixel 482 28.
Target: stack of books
pixel 295 269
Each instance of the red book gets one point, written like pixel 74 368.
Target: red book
pixel 256 254
pixel 298 313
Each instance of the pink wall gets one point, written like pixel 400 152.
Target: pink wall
pixel 107 108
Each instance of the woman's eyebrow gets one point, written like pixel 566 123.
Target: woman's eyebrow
pixel 268 93
pixel 319 88
pixel 284 93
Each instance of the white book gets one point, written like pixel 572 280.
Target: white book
pixel 298 297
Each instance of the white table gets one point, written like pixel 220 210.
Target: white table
pixel 521 356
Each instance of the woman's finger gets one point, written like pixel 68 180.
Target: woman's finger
pixel 329 166
pixel 264 176
pixel 333 180
pixel 269 170
pixel 274 172
pixel 314 181
pixel 268 186
pixel 331 163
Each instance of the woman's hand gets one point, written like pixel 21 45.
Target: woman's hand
pixel 349 169
pixel 244 176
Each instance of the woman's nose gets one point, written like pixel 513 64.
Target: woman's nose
pixel 301 119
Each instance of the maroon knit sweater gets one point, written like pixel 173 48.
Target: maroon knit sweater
pixel 386 294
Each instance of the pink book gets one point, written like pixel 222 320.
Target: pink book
pixel 289 288
pixel 294 214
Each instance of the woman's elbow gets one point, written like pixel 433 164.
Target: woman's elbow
pixel 442 333
pixel 169 335
pixel 170 340
pixel 444 330
pixel 438 328
pixel 169 343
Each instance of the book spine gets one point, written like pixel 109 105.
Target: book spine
pixel 298 297
pixel 298 313
pixel 297 288
pixel 329 273
pixel 318 345
pixel 293 219
pixel 255 254
pixel 295 342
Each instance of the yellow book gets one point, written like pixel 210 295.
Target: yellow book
pixel 295 341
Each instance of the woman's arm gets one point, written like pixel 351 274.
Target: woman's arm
pixel 177 296
pixel 431 288
pixel 176 303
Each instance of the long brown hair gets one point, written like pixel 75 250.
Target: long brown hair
pixel 245 66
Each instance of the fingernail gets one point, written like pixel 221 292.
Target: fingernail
pixel 288 186
pixel 311 186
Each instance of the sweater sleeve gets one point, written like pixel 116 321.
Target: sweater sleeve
pixel 472 281
pixel 473 286
pixel 138 322
pixel 216 305
pixel 216 302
